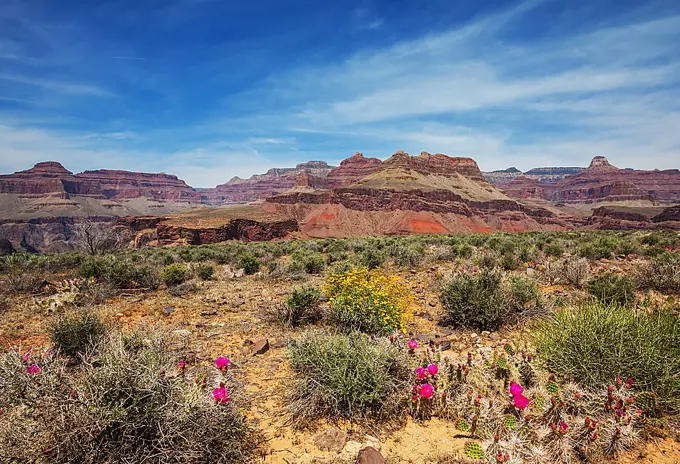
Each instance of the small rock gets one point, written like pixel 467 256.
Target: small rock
pixel 332 439
pixel 444 344
pixel 351 449
pixel 280 343
pixel 474 335
pixel 485 333
pixel 182 333
pixel 208 313
pixel 432 303
pixel 373 442
pixel 168 310
pixel 260 346
pixel 370 455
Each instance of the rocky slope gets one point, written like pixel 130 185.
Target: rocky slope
pixel 261 186
pixel 351 170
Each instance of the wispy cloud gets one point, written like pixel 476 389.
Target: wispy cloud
pixel 64 87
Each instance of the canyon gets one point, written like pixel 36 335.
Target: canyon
pixel 404 194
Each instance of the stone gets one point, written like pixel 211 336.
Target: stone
pixel 444 344
pixel 168 310
pixel 331 439
pixel 260 346
pixel 182 333
pixel 351 449
pixel 370 455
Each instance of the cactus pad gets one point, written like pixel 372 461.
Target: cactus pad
pixel 552 387
pixel 474 450
pixel 462 425
pixel 510 422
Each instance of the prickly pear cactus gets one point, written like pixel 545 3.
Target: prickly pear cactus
pixel 502 363
pixel 539 403
pixel 552 387
pixel 510 422
pixel 462 425
pixel 474 450
pixel 647 402
pixel 509 349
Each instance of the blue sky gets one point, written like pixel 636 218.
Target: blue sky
pixel 209 89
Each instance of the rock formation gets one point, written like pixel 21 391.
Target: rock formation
pixel 261 186
pixel 351 170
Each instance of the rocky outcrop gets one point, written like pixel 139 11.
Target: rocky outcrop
pixel 261 186
pixel 668 215
pixel 125 185
pixel 351 170
pixel 235 229
pixel 51 179
pixel 524 187
pixel 436 165
pixel 609 212
pixel 502 176
pixel 552 174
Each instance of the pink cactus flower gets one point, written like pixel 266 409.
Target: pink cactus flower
pixel 521 401
pixel 412 344
pixel 182 364
pixel 426 390
pixel 432 369
pixel 222 363
pixel 33 369
pixel 220 395
pixel 27 356
pixel 421 373
pixel 516 389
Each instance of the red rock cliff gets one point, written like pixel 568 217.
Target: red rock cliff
pixel 351 170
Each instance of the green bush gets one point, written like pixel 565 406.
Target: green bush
pixel 554 249
pixel 175 274
pixel 476 300
pixel 131 404
pixel 301 307
pixel 407 255
pixel 612 289
pixel 249 263
pixel 601 248
pixel 346 376
pixel 75 333
pixel 370 258
pixel 309 261
pixel 524 293
pixel 205 271
pixel 597 342
pixel 661 273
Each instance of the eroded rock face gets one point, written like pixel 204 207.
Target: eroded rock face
pixel 235 229
pixel 261 186
pixel 119 185
pixel 438 165
pixel 351 170
pixel 51 179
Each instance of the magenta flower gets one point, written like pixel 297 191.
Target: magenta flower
pixel 421 373
pixel 521 401
pixel 516 389
pixel 222 363
pixel 426 390
pixel 220 395
pixel 33 369
pixel 27 356
pixel 412 344
pixel 432 369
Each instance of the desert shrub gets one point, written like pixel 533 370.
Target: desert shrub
pixel 301 307
pixel 600 248
pixel 489 260
pixel 524 292
pixel 131 404
pixel 310 261
pixel 554 249
pixel 175 274
pixel 407 255
pixel 612 289
pixel 596 342
pixel 21 272
pixel 476 299
pixel 147 277
pixel 371 258
pixel 661 273
pixel 121 273
pixel 249 263
pixel 75 333
pixel 509 262
pixel 205 271
pixel 346 376
pixel 462 250
pixel 368 300
pixel 575 271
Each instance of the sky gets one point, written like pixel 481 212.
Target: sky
pixel 211 89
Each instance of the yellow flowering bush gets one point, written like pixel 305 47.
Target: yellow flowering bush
pixel 369 300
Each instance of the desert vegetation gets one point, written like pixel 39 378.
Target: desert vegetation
pixel 540 347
